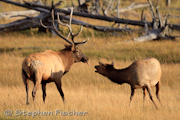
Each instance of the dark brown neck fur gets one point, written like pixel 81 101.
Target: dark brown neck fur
pixel 119 76
pixel 67 57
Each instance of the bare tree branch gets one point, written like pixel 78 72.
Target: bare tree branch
pixel 99 17
pixel 131 7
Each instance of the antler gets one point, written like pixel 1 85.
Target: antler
pixel 70 28
pixel 68 25
pixel 53 27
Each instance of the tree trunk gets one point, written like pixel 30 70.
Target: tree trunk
pixel 46 9
pixel 168 3
pixel 19 13
pixel 23 24
pixel 80 2
pixel 151 36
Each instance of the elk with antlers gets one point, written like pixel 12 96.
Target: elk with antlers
pixel 140 74
pixel 50 66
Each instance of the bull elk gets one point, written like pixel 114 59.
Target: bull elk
pixel 140 74
pixel 50 66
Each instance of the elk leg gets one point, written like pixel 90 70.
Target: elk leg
pixel 27 89
pixel 58 84
pixel 37 82
pixel 150 94
pixel 132 95
pixel 26 80
pixel 144 94
pixel 44 91
pixel 157 92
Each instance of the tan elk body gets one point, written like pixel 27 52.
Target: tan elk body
pixel 140 74
pixel 50 66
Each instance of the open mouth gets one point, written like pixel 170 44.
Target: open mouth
pixel 85 61
pixel 96 68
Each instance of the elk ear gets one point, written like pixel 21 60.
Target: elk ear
pixel 66 45
pixel 101 64
pixel 112 63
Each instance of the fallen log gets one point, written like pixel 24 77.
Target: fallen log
pixel 7 15
pixel 148 37
pixel 34 22
pixel 159 30
pixel 132 7
pixel 99 17
pixel 95 27
pixel 23 24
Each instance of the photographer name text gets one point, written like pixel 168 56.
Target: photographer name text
pixel 45 113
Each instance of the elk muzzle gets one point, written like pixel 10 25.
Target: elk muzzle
pixel 85 59
pixel 96 67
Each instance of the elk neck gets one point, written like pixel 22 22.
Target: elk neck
pixel 67 59
pixel 119 76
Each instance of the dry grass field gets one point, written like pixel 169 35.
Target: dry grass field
pixel 84 89
pixel 89 95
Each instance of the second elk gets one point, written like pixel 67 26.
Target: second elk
pixel 140 74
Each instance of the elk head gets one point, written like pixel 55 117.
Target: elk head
pixel 77 54
pixel 104 69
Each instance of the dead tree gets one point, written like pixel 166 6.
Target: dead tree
pixel 154 29
pixel 132 6
pixel 168 3
pixel 160 28
pixel 23 24
pixel 95 8
pixel 33 22
pixel 43 8
pixel 83 6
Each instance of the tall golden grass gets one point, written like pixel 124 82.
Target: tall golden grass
pixel 85 90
